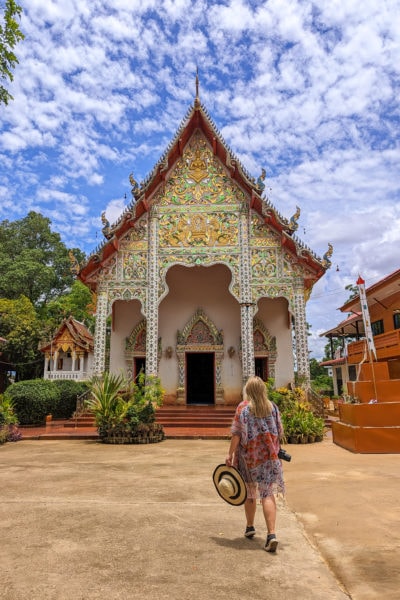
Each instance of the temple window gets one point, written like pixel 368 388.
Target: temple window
pixel 377 327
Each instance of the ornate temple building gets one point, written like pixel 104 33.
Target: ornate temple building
pixel 204 281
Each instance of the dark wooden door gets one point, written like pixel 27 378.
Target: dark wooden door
pixel 200 378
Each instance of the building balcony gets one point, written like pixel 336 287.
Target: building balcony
pixel 387 346
pixel 75 375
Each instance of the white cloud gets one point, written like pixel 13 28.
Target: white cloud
pixel 307 91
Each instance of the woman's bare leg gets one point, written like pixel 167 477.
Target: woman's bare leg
pixel 250 510
pixel 269 510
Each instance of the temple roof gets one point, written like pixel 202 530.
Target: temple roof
pixel 197 118
pixel 78 333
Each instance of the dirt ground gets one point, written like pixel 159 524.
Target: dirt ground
pixel 82 520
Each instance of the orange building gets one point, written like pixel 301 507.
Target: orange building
pixel 370 416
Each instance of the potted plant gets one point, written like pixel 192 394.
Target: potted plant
pixel 124 411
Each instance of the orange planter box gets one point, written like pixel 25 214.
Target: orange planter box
pixel 381 414
pixel 368 428
pixel 367 440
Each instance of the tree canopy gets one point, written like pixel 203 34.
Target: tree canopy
pixel 10 35
pixel 33 260
pixel 20 326
pixel 37 290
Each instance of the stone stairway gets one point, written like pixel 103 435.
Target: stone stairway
pixel 196 421
pixel 188 422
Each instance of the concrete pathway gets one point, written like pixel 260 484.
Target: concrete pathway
pixel 80 520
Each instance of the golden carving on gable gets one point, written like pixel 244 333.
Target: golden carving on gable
pixel 261 234
pixel 135 265
pixel 198 167
pixel 198 229
pixel 264 264
pixel 198 177
pixel 290 268
pixel 65 342
pixel 136 239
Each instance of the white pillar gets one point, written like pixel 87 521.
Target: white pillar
pixel 152 298
pixel 246 303
pixel 46 365
pixel 300 328
pixel 100 333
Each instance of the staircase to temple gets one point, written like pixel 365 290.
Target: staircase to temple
pixel 179 421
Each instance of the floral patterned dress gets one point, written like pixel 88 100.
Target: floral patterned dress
pixel 257 454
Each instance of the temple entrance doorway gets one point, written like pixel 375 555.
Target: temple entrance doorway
pixel 261 367
pixel 200 378
pixel 139 366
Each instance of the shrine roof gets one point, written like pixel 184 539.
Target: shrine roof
pixel 196 118
pixel 78 331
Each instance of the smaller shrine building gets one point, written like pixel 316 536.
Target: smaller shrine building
pixel 69 354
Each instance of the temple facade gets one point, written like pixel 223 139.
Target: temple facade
pixel 204 282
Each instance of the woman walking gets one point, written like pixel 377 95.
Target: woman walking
pixel 256 432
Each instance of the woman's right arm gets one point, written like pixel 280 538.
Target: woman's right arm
pixel 235 439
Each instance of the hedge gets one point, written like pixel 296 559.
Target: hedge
pixel 36 398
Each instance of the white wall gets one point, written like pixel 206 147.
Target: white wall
pixel 274 314
pixel 126 315
pixel 191 288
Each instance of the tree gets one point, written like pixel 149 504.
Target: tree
pixel 10 35
pixel 354 291
pixel 316 369
pixel 34 261
pixel 77 303
pixel 20 326
pixel 331 347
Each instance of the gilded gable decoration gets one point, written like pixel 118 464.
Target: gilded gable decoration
pixel 198 167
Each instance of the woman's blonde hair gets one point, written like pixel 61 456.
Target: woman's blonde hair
pixel 255 391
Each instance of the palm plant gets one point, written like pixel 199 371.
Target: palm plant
pixel 105 400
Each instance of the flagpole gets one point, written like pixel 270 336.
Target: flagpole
pixel 369 339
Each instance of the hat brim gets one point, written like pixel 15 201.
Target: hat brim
pixel 239 495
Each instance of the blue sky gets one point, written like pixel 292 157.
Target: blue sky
pixel 309 91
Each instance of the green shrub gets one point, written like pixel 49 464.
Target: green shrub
pixel 121 406
pixel 69 391
pixel 33 400
pixel 7 411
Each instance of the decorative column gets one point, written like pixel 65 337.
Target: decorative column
pixel 246 303
pixel 100 333
pixel 73 356
pixel 81 364
pixel 46 365
pixel 152 297
pixel 300 328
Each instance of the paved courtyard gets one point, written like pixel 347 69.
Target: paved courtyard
pixel 81 520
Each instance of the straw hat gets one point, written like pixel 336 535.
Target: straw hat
pixel 230 485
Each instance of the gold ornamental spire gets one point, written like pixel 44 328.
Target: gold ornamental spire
pixel 197 99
